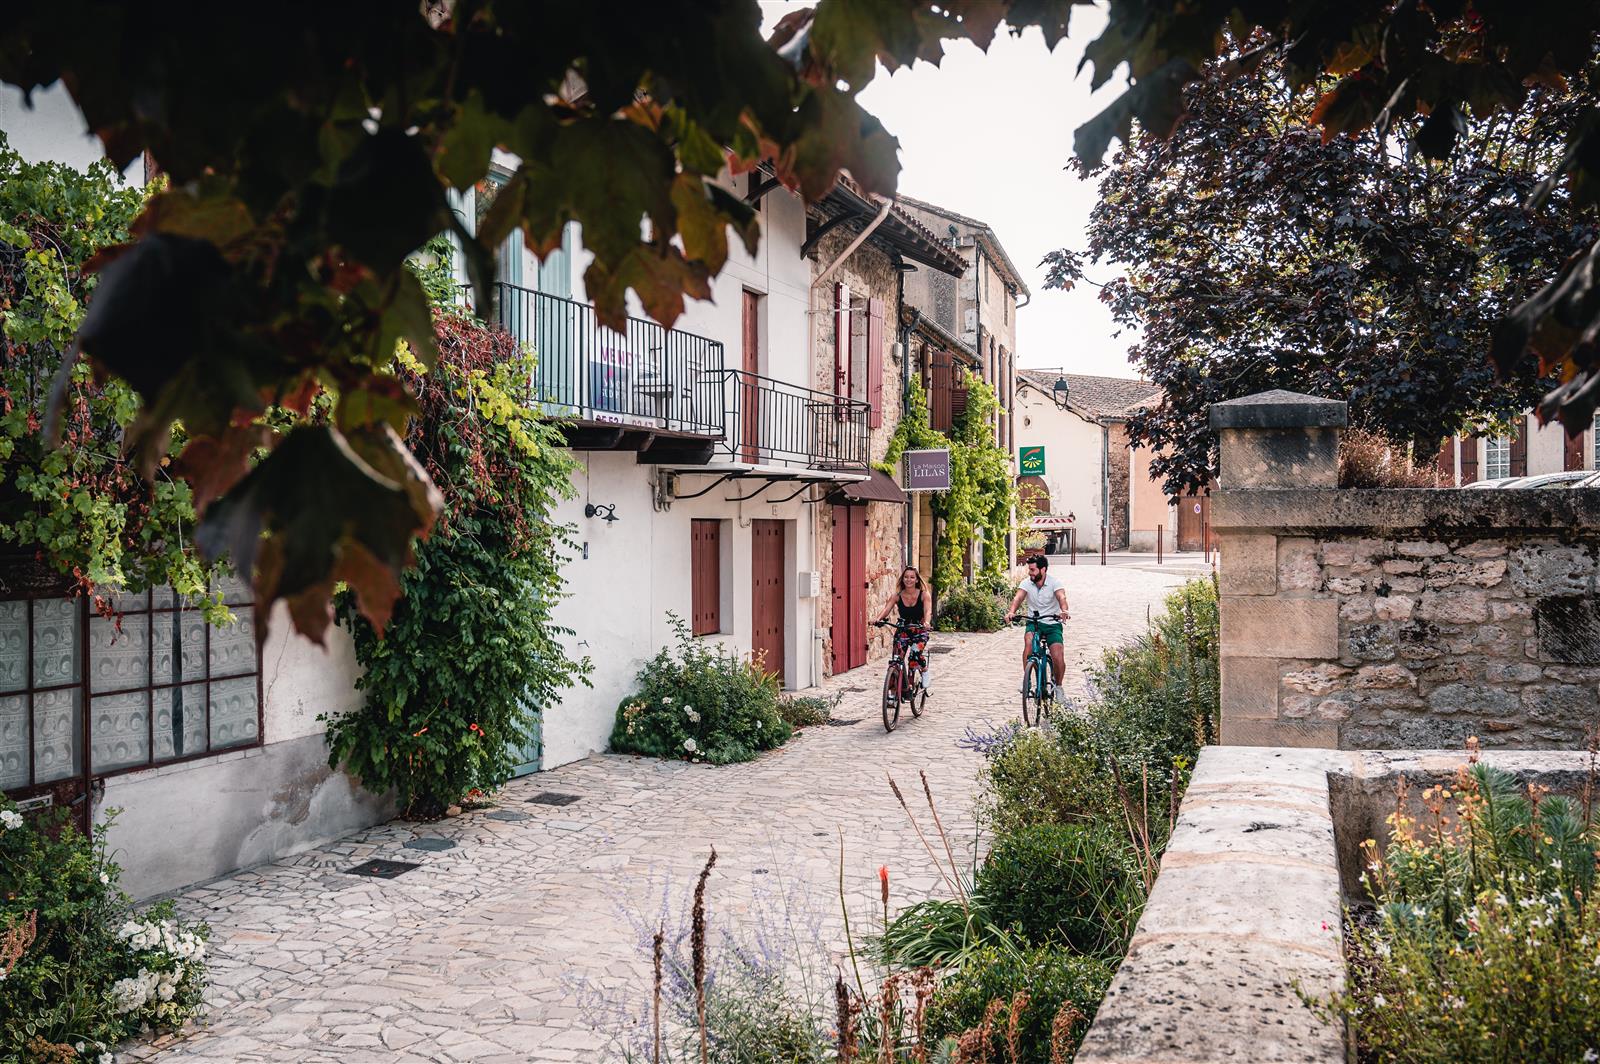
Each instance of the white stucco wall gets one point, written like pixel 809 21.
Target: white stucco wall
pixel 1072 458
pixel 637 570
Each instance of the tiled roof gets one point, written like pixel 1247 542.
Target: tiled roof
pixel 1104 397
pixel 982 231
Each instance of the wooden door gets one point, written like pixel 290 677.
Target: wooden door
pixel 767 586
pixel 1469 460
pixel 1519 450
pixel 750 384
pixel 1194 512
pixel 1571 451
pixel 849 629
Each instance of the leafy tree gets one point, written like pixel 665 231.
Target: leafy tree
pixel 79 507
pixel 1262 254
pixel 455 683
pixel 311 148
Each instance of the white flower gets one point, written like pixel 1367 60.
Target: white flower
pixel 1590 1056
pixel 666 700
pixel 689 711
pixel 11 819
pixel 104 878
pixel 1378 1000
pixel 106 1058
pixel 77 1047
pixel 689 745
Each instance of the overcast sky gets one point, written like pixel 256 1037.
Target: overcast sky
pixel 989 135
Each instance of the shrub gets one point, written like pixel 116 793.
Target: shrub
pixel 1372 460
pixel 78 966
pixel 806 711
pixel 700 702
pixel 1484 943
pixel 453 687
pixel 996 584
pixel 1034 778
pixel 1054 980
pixel 969 608
pixel 1071 885
pixel 939 933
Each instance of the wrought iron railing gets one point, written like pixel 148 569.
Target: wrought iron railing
pixel 773 422
pixel 643 375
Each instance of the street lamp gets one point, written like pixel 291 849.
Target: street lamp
pixel 1060 390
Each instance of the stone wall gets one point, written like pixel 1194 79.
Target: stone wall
pixel 1398 617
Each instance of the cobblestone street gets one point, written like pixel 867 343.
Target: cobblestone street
pixel 473 956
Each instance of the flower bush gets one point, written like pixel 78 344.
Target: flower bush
pixel 698 701
pixel 1484 943
pixel 1057 992
pixel 80 970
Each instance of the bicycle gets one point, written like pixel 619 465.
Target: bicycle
pixel 1038 687
pixel 902 678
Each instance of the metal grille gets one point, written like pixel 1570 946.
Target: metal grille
pixel 382 869
pixel 552 798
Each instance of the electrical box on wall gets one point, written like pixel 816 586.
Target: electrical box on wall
pixel 810 584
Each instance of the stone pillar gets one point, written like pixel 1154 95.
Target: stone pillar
pixel 1272 442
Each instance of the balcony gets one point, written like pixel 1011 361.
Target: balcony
pixel 775 423
pixel 644 388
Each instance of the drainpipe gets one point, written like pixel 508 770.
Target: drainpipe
pixel 861 238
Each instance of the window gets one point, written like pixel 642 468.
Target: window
pixel 705 579
pixel 1496 457
pixel 154 684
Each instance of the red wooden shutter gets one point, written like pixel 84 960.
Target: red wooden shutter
pixel 1469 460
pixel 875 362
pixel 705 563
pixel 1572 452
pixel 1445 464
pixel 1519 449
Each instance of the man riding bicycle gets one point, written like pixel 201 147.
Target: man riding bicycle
pixel 1046 597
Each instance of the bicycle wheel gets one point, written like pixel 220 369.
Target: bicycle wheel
pixel 1030 694
pixel 891 696
pixel 919 697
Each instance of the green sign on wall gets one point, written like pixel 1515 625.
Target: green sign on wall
pixel 1030 461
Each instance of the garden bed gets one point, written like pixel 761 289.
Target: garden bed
pixel 1243 924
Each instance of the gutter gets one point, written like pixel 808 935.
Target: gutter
pixel 861 238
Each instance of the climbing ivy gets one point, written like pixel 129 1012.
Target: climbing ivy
pixel 983 494
pixel 82 508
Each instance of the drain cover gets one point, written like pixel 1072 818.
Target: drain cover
pixel 552 798
pixel 760 871
pixel 837 723
pixel 508 814
pixel 940 650
pixel 381 869
pixel 431 843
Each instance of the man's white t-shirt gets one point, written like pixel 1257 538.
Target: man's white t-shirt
pixel 1042 597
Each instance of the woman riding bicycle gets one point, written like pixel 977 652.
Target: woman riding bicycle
pixel 912 602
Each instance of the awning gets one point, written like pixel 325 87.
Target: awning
pixel 1051 522
pixel 879 487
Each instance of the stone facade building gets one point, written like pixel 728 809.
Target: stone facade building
pixel 860 250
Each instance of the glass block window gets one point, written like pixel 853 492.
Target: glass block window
pixel 1496 457
pixel 152 684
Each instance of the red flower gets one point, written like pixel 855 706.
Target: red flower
pixel 883 880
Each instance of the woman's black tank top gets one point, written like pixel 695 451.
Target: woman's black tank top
pixel 916 613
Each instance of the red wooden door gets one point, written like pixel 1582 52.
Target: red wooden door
pixel 750 384
pixel 1572 452
pixel 1469 460
pixel 767 595
pixel 1191 522
pixel 849 630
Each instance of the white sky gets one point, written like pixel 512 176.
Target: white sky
pixel 989 135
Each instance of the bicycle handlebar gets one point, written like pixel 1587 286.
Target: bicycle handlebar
pixel 898 624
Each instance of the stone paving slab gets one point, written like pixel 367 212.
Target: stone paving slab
pixel 473 956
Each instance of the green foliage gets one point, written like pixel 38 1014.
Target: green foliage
pixel 1035 778
pixel 982 493
pixel 455 682
pixel 700 702
pixel 82 504
pixel 970 608
pixel 1391 273
pixel 83 966
pixel 1483 946
pixel 1064 884
pixel 1053 979
pixel 807 711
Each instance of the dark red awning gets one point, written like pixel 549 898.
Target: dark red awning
pixel 879 487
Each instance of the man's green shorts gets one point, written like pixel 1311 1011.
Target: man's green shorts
pixel 1050 630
